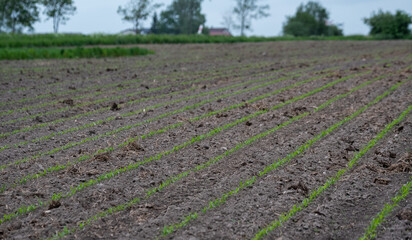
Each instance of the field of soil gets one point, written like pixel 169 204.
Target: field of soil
pixel 276 140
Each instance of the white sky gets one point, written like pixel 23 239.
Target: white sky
pixel 100 16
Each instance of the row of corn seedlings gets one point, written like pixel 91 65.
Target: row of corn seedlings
pixel 371 231
pixel 332 180
pixel 147 64
pixel 40 125
pixel 123 128
pixel 73 129
pixel 105 109
pixel 248 182
pixel 172 180
pixel 17 89
pixel 196 105
pixel 46 86
pixel 111 98
pixel 63 91
pixel 130 167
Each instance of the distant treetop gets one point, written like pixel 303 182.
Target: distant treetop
pixel 15 15
pixel 58 11
pixel 387 25
pixel 182 17
pixel 310 20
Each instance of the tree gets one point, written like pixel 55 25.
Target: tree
pixel 246 10
pixel 2 15
pixel 155 24
pixel 310 20
pixel 182 17
pixel 58 11
pixel 136 11
pixel 17 15
pixel 389 25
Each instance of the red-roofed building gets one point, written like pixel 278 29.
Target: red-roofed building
pixel 219 32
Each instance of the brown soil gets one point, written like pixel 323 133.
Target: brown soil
pixel 342 212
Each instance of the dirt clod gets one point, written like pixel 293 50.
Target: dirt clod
pixel 54 204
pixel 299 186
pixel 404 164
pixel 104 157
pixel 405 214
pixel 38 119
pixel 114 107
pixel 133 146
pixel 382 181
pixel 300 155
pixel 69 102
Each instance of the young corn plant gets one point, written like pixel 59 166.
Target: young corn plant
pixel 109 149
pixel 70 145
pixel 331 181
pixel 112 174
pixel 112 98
pixel 191 216
pixel 173 76
pixel 281 162
pixel 29 128
pixel 371 231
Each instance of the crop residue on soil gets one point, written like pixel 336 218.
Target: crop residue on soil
pixel 208 141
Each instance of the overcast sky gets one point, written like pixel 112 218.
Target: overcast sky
pixel 100 16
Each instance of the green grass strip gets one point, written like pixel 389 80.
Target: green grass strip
pixel 58 196
pixel 32 116
pixel 248 182
pixel 371 231
pixel 191 216
pixel 65 40
pixel 79 52
pixel 331 181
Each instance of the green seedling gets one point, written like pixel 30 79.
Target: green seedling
pixel 166 230
pixel 371 231
pixel 281 162
pixel 331 181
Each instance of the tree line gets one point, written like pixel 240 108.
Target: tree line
pixel 185 17
pixel 17 15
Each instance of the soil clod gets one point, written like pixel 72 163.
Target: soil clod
pixel 299 186
pixel 114 107
pixel 104 157
pixel 54 204
pixel 38 119
pixel 69 102
pixel 405 214
pixel 133 146
pixel 404 164
pixel 382 181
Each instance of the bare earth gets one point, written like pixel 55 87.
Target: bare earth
pixel 125 147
